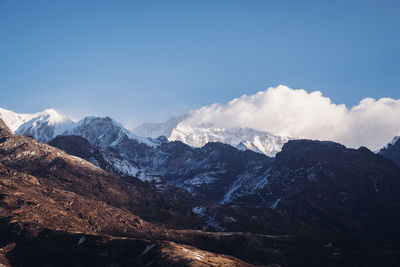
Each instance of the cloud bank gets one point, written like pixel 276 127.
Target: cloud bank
pixel 297 113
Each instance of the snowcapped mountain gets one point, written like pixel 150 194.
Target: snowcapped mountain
pixel 175 129
pixel 240 137
pixel 102 133
pixel 43 126
pixel 105 132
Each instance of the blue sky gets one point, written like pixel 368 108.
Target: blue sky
pixel 147 60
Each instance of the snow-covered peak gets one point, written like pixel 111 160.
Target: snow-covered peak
pixel 43 126
pixel 239 137
pixel 179 129
pixel 105 132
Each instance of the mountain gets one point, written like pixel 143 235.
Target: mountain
pixel 175 129
pixel 239 137
pixel 392 150
pixel 352 189
pixel 43 126
pixel 105 132
pixel 208 173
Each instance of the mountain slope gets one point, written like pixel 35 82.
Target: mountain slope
pixel 106 158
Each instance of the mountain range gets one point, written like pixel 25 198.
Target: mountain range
pixel 100 193
pixel 46 125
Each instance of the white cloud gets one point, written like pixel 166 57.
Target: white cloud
pixel 297 113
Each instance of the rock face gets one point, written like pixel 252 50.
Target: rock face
pixel 392 151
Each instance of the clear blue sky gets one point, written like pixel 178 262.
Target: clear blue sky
pixel 146 60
